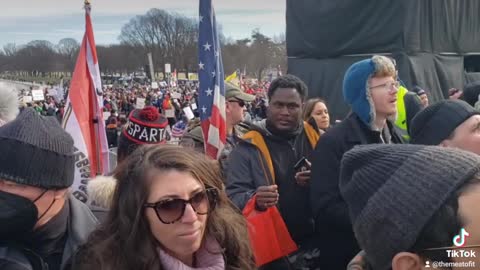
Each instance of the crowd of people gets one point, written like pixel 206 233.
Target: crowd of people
pixel 363 193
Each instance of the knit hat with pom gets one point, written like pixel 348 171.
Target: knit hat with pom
pixel 146 126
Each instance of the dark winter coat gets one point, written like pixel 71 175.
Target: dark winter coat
pixel 81 222
pixel 245 174
pixel 333 227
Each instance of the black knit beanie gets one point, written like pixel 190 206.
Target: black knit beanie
pixel 436 122
pixel 471 93
pixel 36 151
pixel 392 191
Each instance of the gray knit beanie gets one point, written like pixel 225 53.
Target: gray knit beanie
pixel 36 151
pixel 392 191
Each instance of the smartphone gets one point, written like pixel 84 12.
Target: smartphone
pixel 302 165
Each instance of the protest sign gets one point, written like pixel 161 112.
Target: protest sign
pixel 37 95
pixel 27 99
pixel 188 113
pixel 140 103
pixel 170 113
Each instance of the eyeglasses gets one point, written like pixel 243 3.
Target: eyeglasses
pixel 172 210
pixel 388 86
pixel 241 103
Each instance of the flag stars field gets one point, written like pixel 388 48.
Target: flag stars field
pixel 209 92
pixel 207 46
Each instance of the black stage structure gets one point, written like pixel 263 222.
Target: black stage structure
pixel 436 43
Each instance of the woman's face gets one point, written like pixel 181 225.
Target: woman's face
pixel 321 116
pixel 182 238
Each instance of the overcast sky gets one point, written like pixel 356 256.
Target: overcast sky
pixel 24 20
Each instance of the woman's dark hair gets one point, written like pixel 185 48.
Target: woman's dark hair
pixel 125 241
pixel 310 105
pixel 288 81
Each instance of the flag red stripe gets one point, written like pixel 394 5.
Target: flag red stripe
pixel 80 96
pixel 91 39
pixel 217 121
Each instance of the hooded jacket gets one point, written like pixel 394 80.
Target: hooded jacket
pixel 248 170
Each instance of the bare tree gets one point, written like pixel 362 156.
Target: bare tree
pixel 170 37
pixel 10 49
pixel 118 58
pixel 262 50
pixel 68 48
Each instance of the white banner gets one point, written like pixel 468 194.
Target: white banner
pixel 37 95
pixel 140 103
pixel 27 99
pixel 170 113
pixel 188 112
pixel 106 115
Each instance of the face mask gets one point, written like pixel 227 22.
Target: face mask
pixel 18 216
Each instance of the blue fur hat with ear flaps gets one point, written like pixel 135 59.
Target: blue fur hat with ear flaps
pixel 355 89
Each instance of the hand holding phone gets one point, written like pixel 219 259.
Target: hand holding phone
pixel 302 167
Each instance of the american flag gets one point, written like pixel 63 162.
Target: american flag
pixel 211 98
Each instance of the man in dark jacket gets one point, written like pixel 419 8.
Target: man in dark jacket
pixel 370 88
pixel 41 225
pixel 263 163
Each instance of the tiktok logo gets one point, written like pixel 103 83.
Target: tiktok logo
pixel 459 240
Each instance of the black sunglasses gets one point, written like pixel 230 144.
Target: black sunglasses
pixel 172 210
pixel 241 103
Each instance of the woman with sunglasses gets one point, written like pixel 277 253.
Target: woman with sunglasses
pixel 169 212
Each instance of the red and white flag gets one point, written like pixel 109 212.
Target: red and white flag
pixel 84 117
